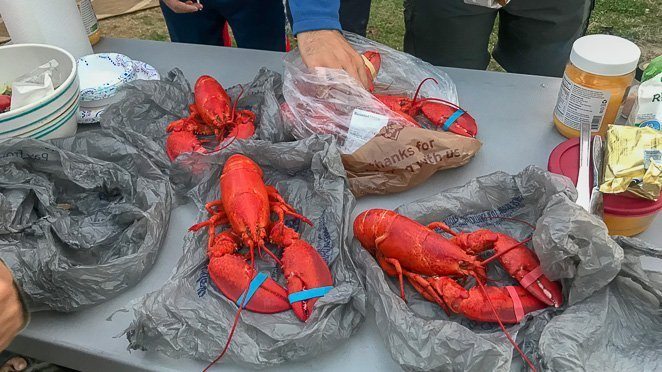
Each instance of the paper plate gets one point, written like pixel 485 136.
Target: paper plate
pixel 102 74
pixel 145 71
pixel 90 115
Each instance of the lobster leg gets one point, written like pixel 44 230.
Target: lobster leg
pixel 519 261
pixel 303 267
pixel 392 267
pixel 281 207
pixel 441 226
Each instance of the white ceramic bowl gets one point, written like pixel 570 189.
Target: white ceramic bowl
pixel 16 60
pixel 62 125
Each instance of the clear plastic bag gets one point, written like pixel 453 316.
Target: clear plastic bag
pixel 82 219
pixel 329 101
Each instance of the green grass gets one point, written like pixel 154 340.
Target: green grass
pixel 387 24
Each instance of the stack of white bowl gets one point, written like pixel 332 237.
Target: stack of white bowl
pixel 53 116
pixel 101 77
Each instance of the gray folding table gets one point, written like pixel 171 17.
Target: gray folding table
pixel 514 115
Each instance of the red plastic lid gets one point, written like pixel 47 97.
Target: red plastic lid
pixel 564 160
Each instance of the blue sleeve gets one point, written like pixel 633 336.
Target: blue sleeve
pixel 311 15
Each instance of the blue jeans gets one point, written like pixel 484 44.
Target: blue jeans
pixel 256 24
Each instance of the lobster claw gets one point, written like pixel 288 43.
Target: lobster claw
pixel 450 117
pixel 179 143
pixel 307 274
pixel 510 303
pixel 373 62
pixel 233 275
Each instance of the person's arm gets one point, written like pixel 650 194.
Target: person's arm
pixel 317 28
pixel 12 312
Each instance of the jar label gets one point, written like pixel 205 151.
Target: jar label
pixel 89 17
pixel 577 105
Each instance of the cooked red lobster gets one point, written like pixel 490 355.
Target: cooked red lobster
pixel 439 112
pixel 212 113
pixel 247 204
pixel 431 263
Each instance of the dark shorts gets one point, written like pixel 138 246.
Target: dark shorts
pixel 256 24
pixel 535 36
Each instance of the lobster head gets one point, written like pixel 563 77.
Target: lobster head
pixel 212 101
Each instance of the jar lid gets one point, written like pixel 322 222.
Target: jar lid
pixel 564 160
pixel 606 55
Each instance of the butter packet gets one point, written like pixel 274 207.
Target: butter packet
pixel 633 161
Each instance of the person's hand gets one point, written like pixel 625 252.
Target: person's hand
pixel 178 6
pixel 328 48
pixel 15 364
pixel 12 317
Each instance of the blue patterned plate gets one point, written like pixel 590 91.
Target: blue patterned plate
pixel 102 74
pixel 145 71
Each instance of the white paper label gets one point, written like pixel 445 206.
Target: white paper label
pixel 647 111
pixel 577 105
pixel 363 126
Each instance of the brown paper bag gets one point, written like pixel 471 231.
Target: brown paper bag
pixel 400 157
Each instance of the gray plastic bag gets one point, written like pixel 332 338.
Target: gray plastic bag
pixel 148 106
pixel 189 317
pixel 573 246
pixel 81 219
pixel 619 327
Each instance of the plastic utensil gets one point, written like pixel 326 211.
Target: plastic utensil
pixel 583 188
pixel 596 201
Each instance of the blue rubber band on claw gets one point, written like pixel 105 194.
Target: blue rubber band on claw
pixel 456 115
pixel 308 294
pixel 252 288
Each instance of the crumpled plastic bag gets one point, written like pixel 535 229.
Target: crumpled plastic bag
pixel 147 108
pixel 81 219
pixel 619 327
pixel 329 101
pixel 189 318
pixel 573 246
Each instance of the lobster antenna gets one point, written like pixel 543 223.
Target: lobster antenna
pixel 419 88
pixel 264 248
pixel 490 259
pixel 503 328
pixel 227 344
pixel 236 101
pixel 229 143
pixel 435 99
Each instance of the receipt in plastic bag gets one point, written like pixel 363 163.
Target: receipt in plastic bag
pixel 35 85
pixel 363 126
